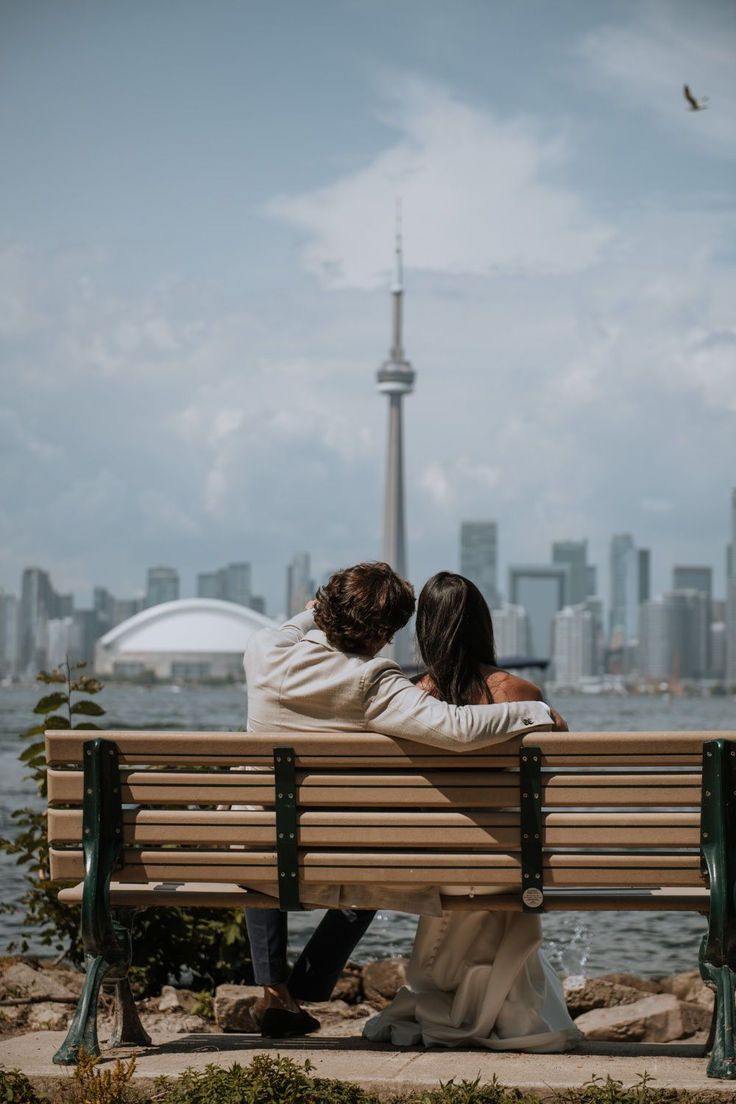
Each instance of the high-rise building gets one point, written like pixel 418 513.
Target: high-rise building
pixel 700 578
pixel 229 584
pixel 162 585
pixel 673 636
pixel 573 645
pixel 541 589
pixel 479 557
pixel 299 583
pixel 645 566
pixel 39 603
pixel 9 635
pixel 575 555
pixel 511 632
pixel 731 602
pixel 395 378
pixel 625 590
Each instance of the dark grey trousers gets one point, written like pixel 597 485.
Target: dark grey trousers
pixel 323 958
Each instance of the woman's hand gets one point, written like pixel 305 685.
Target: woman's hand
pixel 560 722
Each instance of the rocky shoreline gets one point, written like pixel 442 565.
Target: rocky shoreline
pixel 37 995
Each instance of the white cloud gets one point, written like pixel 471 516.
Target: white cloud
pixel 477 193
pixel 647 62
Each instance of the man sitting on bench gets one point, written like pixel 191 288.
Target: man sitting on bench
pixel 322 671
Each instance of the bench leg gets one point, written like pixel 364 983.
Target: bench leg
pixel 723 1053
pixel 127 1027
pixel 82 1033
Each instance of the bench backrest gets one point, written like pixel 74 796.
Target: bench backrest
pixel 561 811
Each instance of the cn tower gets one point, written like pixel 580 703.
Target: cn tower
pixel 395 378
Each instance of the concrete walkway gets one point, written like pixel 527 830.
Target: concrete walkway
pixel 386 1069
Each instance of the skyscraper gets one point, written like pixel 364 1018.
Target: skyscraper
pixel 9 635
pixel 573 645
pixel 39 603
pixel 625 590
pixel 299 583
pixel 575 555
pixel 541 590
pixel 699 578
pixel 162 585
pixel 731 601
pixel 511 632
pixel 478 558
pixel 395 378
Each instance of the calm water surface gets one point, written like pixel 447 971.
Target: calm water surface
pixel 579 943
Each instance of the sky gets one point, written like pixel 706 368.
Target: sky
pixel 195 261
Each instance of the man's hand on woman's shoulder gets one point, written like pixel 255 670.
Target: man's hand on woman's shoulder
pixel 560 724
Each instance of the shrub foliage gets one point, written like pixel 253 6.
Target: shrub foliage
pixel 198 947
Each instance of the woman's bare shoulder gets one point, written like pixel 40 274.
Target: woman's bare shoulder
pixel 507 687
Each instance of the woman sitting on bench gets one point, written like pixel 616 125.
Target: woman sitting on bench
pixel 475 978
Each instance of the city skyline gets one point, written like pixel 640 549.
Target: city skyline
pixel 192 297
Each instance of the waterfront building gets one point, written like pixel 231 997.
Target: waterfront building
pixel 731 602
pixel 581 575
pixel 718 650
pixel 395 378
pixel 162 585
pixel 190 639
pixel 573 646
pixel 673 636
pixel 626 588
pixel 511 632
pixel 123 608
pixel 478 557
pixel 645 568
pixel 299 583
pixel 9 635
pixel 61 641
pixel 542 590
pixel 699 578
pixel 39 603
pixel 230 584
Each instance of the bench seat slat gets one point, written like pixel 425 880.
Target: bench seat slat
pixel 215 895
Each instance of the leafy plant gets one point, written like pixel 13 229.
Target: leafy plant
pixel 201 947
pixel 104 1086
pixel 265 1078
pixel 15 1088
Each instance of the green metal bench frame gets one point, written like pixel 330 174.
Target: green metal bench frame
pixel 106 932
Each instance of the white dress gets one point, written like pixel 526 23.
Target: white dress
pixel 478 979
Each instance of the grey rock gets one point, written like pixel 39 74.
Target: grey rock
pixel 633 981
pixel 233 1005
pixel 654 1019
pixel 177 1000
pixel 382 980
pixel 598 993
pixel 21 980
pixel 689 986
pixel 695 1017
pixel 47 1016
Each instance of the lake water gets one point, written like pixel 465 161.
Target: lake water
pixel 579 943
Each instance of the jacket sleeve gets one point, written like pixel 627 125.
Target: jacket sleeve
pixel 297 626
pixel 395 707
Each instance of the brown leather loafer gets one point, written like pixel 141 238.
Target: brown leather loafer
pixel 280 1023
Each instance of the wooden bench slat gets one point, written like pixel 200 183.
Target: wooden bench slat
pixel 485 789
pixel 215 895
pixel 367 748
pixel 482 829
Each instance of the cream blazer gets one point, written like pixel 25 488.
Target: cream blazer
pixel 297 682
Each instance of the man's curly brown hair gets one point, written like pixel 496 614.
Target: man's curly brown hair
pixel 359 609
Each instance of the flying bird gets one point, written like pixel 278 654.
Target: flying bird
pixel 695 105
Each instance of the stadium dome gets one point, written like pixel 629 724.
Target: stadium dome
pixel 192 638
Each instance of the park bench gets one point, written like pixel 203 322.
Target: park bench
pixel 563 820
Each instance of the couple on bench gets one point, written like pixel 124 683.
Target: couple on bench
pixel 475 978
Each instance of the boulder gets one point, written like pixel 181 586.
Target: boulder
pixel 177 1000
pixel 695 1017
pixel 633 981
pixel 382 980
pixel 598 993
pixel 47 1016
pixel 349 986
pixel 654 1019
pixel 232 1006
pixel 690 987
pixel 19 979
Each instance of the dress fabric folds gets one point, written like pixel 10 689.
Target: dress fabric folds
pixel 478 979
